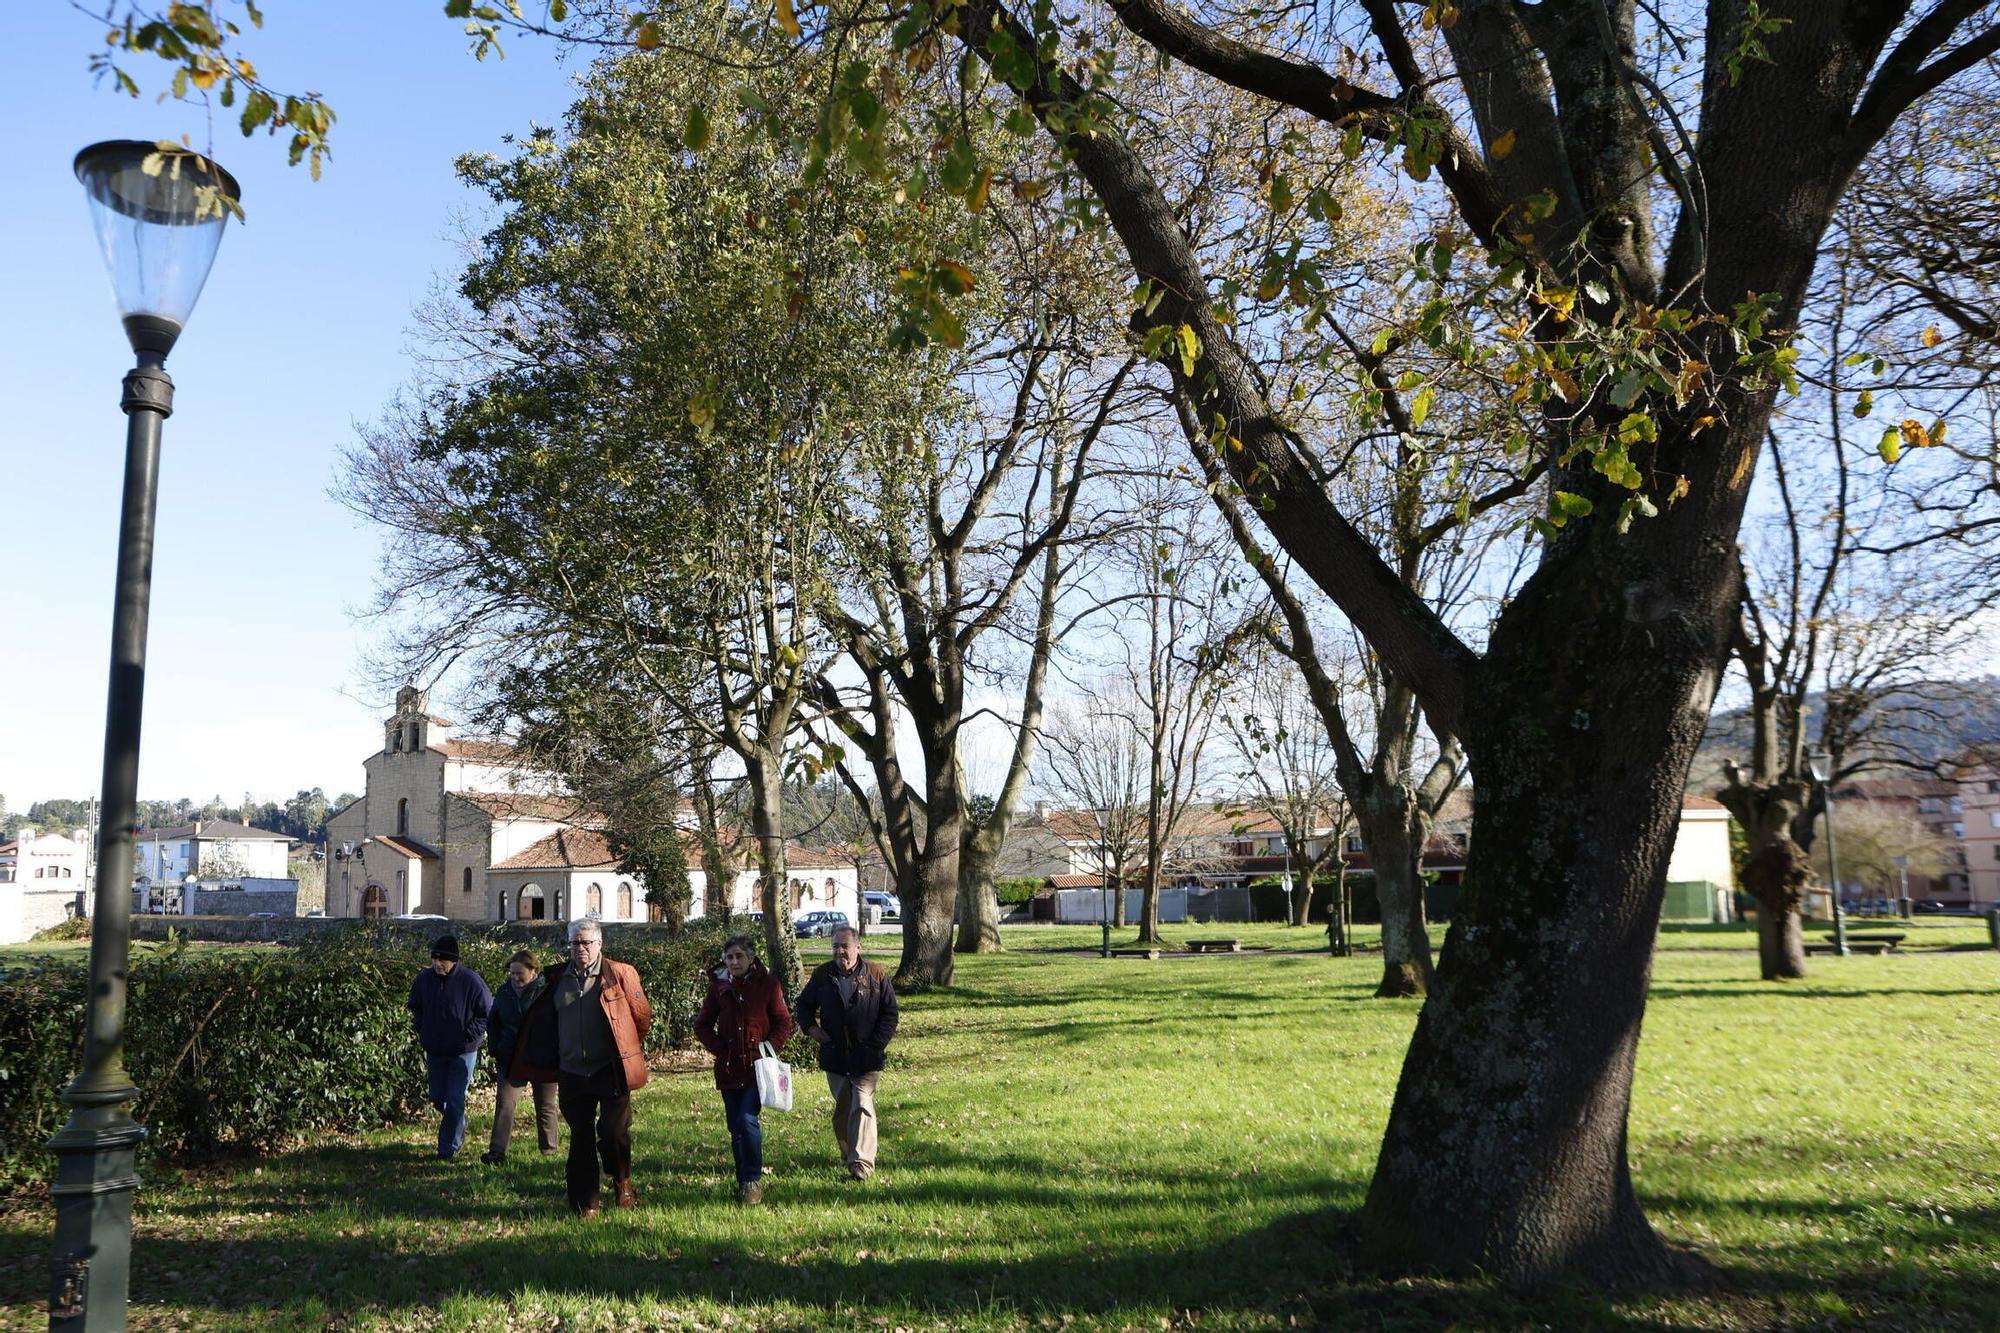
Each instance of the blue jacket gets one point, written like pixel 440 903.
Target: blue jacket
pixel 449 1013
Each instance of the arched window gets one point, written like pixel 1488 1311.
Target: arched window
pixel 403 818
pixel 466 878
pixel 593 901
pixel 374 901
pixel 531 906
pixel 625 901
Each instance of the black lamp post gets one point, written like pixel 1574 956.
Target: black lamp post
pixel 1104 866
pixel 159 213
pixel 1821 764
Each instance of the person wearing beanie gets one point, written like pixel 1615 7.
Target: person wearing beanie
pixel 449 1006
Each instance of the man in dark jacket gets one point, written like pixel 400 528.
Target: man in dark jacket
pixel 849 1007
pixel 449 1005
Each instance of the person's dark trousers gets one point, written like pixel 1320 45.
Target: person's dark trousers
pixel 451 1077
pixel 746 1132
pixel 598 1111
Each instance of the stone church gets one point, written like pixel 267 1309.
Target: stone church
pixel 471 830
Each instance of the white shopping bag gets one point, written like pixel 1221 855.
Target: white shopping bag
pixel 774 1079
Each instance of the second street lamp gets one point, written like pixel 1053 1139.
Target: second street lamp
pixel 159 212
pixel 1821 764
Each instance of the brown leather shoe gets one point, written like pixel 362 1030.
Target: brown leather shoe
pixel 627 1197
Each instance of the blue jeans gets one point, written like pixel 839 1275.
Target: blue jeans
pixel 746 1132
pixel 451 1076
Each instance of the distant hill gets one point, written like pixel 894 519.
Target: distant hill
pixel 1931 725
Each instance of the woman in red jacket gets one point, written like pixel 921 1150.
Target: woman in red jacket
pixel 745 1006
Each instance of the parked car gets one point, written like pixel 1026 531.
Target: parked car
pixel 810 924
pixel 422 916
pixel 889 904
pixel 1928 905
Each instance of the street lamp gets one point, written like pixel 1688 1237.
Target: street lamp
pixel 1104 864
pixel 159 212
pixel 1821 764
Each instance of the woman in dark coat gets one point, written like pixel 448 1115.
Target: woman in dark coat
pixel 745 1006
pixel 510 1002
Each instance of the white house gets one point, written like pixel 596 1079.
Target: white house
pixel 474 831
pixel 44 879
pixel 211 849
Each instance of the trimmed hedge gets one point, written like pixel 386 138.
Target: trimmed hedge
pixel 251 1049
pixel 1017 889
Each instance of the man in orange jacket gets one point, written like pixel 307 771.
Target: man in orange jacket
pixel 586 1032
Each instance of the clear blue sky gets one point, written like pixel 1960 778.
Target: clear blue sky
pixel 302 332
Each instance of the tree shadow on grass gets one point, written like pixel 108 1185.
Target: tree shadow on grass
pixel 1298 1268
pixel 1750 988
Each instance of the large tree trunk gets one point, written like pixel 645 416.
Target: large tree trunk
pixel 1386 816
pixel 978 903
pixel 1777 870
pixel 927 957
pixel 774 886
pixel 1302 881
pixel 1149 909
pixel 1513 1098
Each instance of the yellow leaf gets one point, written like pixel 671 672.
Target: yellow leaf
pixel 204 77
pixel 1914 434
pixel 976 200
pixel 788 20
pixel 648 36
pixel 1189 343
pixel 1565 384
pixel 1503 146
pixel 1932 337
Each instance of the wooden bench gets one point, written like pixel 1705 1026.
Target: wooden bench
pixel 1853 946
pixel 1215 946
pixel 1888 939
pixel 1135 953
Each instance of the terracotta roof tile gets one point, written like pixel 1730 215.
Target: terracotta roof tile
pixel 526 805
pixel 501 750
pixel 565 849
pixel 211 828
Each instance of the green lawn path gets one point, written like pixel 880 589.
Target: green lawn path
pixel 1071 1143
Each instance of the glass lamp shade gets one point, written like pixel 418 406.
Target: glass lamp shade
pixel 159 230
pixel 1821 765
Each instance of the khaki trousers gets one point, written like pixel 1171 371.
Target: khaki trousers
pixel 507 1098
pixel 854 1119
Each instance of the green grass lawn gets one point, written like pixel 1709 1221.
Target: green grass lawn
pixel 1074 1143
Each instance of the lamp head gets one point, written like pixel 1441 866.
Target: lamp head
pixel 1821 764
pixel 159 211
